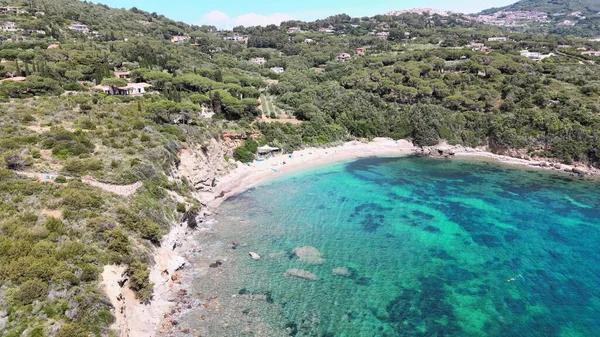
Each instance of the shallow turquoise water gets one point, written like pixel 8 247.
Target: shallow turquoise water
pixel 434 248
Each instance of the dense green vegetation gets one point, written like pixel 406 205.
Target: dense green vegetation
pixel 424 82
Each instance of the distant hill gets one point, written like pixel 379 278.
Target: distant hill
pixel 586 7
pixel 575 17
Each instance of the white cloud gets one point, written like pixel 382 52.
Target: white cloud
pixel 222 20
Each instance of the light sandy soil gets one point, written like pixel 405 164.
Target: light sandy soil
pixel 52 213
pixel 135 319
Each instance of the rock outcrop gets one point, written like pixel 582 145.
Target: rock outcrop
pixel 203 164
pixel 301 274
pixel 309 254
pixel 342 271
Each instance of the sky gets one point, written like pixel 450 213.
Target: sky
pixel 230 13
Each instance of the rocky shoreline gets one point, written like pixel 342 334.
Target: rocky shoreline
pixel 511 158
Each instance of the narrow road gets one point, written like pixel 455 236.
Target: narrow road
pixel 122 190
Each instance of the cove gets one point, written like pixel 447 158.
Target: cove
pixel 421 247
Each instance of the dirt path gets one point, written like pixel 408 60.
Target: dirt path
pixel 122 190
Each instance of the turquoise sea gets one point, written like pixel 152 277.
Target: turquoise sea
pixel 432 248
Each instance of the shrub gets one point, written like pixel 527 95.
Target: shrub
pixel 245 153
pixel 76 199
pixel 60 180
pixel 16 162
pixel 181 207
pixel 70 330
pixel 139 281
pixel 54 225
pixel 80 166
pixel 30 291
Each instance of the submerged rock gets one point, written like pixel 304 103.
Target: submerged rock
pixel 254 256
pixel 342 271
pixel 300 273
pixel 309 254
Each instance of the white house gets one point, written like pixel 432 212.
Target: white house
pixel 9 27
pixel 535 56
pixel 129 89
pixel 79 28
pixel 309 40
pixel 497 39
pixel 12 10
pixel 277 70
pixel 591 53
pixel 382 35
pixel 294 30
pixel 236 37
pixel 344 57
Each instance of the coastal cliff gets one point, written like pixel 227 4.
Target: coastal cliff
pixel 203 164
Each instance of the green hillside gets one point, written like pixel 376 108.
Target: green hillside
pixel 587 7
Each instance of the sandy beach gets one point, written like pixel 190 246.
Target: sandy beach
pixel 245 176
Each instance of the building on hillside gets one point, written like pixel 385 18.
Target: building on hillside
pixel 258 60
pixel 360 51
pixel 236 37
pixel 12 10
pixel 567 23
pixel 131 89
pixel 294 30
pixel 535 55
pixel 591 53
pixel 54 46
pixel 497 39
pixel 179 39
pixel 476 46
pixel 14 79
pixel 326 30
pixel 9 27
pixel 278 70
pixel 79 28
pixel 123 75
pixel 382 35
pixel 344 57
